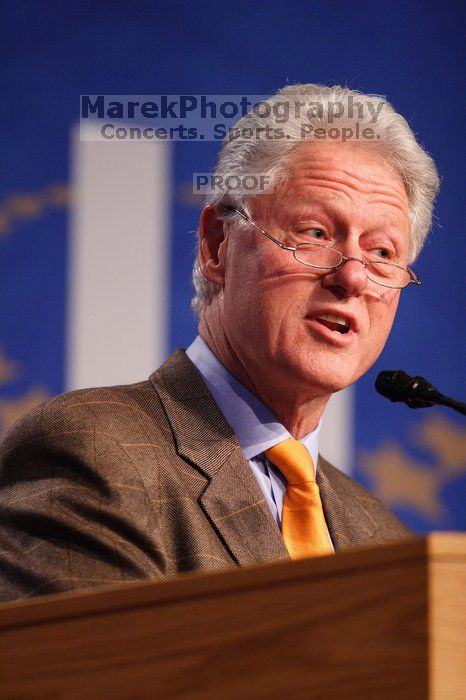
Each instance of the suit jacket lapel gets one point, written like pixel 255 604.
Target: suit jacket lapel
pixel 232 499
pixel 349 523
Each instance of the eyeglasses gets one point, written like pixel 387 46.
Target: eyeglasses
pixel 321 257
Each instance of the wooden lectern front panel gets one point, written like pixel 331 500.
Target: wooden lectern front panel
pixel 363 624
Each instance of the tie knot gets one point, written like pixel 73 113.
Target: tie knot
pixel 293 460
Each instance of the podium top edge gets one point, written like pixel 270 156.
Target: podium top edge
pixel 448 544
pixel 156 592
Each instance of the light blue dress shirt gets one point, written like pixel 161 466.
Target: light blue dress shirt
pixel 256 428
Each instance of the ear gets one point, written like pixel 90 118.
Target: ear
pixel 212 246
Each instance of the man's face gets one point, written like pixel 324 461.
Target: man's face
pixel 279 316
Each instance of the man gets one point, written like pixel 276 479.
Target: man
pixel 214 462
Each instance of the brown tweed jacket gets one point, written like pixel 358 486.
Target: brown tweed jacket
pixel 142 481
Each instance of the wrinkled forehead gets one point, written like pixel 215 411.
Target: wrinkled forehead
pixel 344 174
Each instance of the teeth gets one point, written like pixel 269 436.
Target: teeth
pixel 335 323
pixel 335 319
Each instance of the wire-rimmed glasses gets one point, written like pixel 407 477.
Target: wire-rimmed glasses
pixel 325 258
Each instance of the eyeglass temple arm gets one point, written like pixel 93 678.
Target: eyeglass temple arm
pixel 267 235
pixel 414 278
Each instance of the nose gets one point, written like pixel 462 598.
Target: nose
pixel 350 278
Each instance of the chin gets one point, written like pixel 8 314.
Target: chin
pixel 326 375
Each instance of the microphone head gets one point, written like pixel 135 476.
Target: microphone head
pixel 415 392
pixel 393 384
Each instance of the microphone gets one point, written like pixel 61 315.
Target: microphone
pixel 415 392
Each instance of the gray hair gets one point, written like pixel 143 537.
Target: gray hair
pixel 263 155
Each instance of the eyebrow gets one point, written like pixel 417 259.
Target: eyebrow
pixel 331 208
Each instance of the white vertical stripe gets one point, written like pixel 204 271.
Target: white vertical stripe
pixel 117 321
pixel 336 441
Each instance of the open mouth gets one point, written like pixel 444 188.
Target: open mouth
pixel 335 323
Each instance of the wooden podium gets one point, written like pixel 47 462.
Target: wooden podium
pixel 388 622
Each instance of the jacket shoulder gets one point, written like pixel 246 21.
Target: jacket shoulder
pixel 113 409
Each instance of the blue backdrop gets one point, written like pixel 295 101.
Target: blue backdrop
pixel 412 52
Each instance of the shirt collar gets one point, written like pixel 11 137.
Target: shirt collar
pixel 255 426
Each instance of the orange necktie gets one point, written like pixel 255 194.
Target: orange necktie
pixel 303 523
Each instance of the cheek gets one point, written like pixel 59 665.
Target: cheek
pixel 383 314
pixel 243 312
pixel 258 280
pixel 390 300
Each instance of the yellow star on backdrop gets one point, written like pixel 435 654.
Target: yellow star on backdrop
pixel 8 369
pixel 399 480
pixel 446 440
pixel 19 207
pixel 12 410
